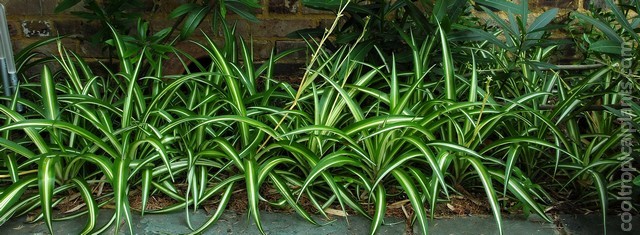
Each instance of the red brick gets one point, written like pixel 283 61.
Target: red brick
pixel 164 7
pixel 23 7
pixel 311 11
pixel 48 6
pixel 91 50
pixel 262 50
pixel 47 49
pixel 174 66
pixel 284 45
pixel 156 25
pixel 283 6
pixel 69 27
pixel 13 28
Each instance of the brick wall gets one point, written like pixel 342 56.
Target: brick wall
pixel 33 20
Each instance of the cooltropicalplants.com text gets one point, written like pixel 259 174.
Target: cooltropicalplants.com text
pixel 627 143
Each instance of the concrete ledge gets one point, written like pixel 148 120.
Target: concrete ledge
pixel 284 223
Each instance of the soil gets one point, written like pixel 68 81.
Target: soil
pixel 154 202
pixel 396 208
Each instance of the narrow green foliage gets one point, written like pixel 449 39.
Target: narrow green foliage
pixel 453 107
pixel 46 183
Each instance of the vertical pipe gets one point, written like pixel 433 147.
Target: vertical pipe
pixel 10 65
pixel 13 77
pixel 5 77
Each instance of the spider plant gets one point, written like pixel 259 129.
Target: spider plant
pixel 130 128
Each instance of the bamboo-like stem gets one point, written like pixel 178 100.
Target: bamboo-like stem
pixel 314 57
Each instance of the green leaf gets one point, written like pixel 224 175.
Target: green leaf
pixel 49 98
pixel 622 19
pixel 12 166
pixel 230 151
pixel 39 123
pixel 158 147
pixel 182 10
pixel 284 190
pixel 92 206
pixel 120 190
pixel 393 87
pixel 433 163
pixel 380 198
pixel 64 5
pixel 396 163
pixel 267 166
pixel 521 193
pixel 106 166
pixel 501 5
pixel 447 63
pixel 146 188
pixel 485 178
pixel 30 131
pixel 245 14
pixel 46 183
pixel 248 3
pixel 542 21
pixel 479 35
pixel 13 194
pixel 414 197
pixel 606 46
pixel 121 49
pixel 512 154
pixel 336 159
pixel 605 28
pixel 234 90
pixel 195 17
pixel 219 210
pixel 508 31
pixel 601 187
pixel 253 190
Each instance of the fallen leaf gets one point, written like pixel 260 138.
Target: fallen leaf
pixel 451 207
pixel 75 208
pixel 335 212
pixel 398 204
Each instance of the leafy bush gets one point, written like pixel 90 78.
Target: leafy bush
pixel 122 15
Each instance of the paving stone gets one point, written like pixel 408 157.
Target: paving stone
pixel 484 224
pixel 592 224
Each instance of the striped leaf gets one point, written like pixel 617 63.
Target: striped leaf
pixel 11 195
pixel 46 183
pixel 120 190
pixel 49 97
pixel 92 206
pixel 485 178
pixel 253 191
pixel 414 197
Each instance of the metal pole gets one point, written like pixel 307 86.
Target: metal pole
pixel 11 73
pixel 3 68
pixel 5 77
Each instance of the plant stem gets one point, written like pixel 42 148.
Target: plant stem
pixel 303 81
